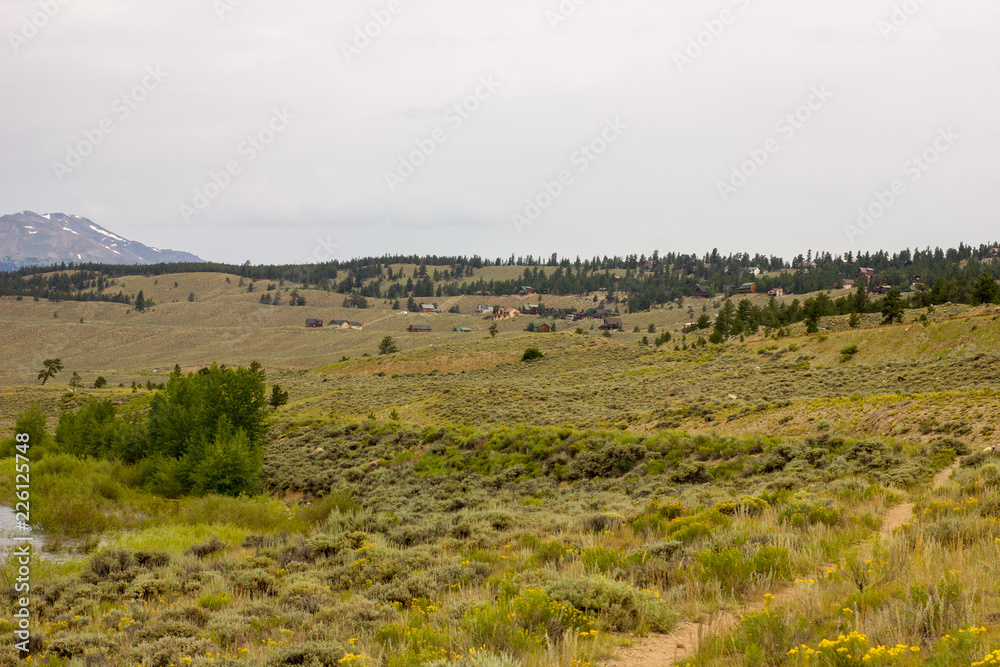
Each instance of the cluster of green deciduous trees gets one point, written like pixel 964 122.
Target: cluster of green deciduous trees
pixel 204 432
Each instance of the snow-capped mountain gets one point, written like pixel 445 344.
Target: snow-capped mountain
pixel 29 239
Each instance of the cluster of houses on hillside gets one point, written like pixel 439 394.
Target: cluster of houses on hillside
pixel 501 314
pixel 873 284
pixel 426 328
pixel 334 324
pixel 876 283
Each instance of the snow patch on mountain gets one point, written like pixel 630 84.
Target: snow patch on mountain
pixel 106 233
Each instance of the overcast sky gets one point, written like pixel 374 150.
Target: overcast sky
pixel 642 109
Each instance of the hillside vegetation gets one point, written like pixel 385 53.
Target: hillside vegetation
pixel 811 493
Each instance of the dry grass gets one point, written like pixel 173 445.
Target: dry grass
pixel 479 512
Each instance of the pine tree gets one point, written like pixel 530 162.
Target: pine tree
pixel 278 397
pixel 892 307
pixel 387 346
pixel 52 366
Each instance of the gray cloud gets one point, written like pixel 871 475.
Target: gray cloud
pixel 657 187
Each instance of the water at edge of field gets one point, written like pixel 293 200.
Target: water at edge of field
pixel 9 531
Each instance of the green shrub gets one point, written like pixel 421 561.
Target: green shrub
pixel 522 622
pixel 552 551
pixel 737 573
pixel 363 613
pixel 691 473
pixel 95 431
pixel 230 463
pixel 601 560
pixel 931 611
pixel 498 520
pixel 665 549
pixel 847 352
pixel 610 461
pixel 308 654
pixel 168 628
pixel 531 354
pixel 616 605
pixel 870 599
pixel 72 645
pixel 682 529
pixel 746 506
pixel 214 601
pixel 70 509
pixel 949 443
pixel 33 421
pixel 801 512
pixel 600 523
pixel 206 549
pixel 255 582
pixel 763 637
pixel 306 595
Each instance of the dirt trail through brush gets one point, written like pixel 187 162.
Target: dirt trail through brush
pixel 683 640
pixel 902 513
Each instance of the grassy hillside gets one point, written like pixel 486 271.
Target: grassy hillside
pixel 761 385
pixel 764 502
pixel 228 324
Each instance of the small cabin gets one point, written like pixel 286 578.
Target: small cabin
pixel 419 328
pixel 314 324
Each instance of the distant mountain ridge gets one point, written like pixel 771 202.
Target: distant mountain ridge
pixel 31 239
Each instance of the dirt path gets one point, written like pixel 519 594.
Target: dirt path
pixel 895 517
pixel 683 640
pixel 902 513
pixel 942 477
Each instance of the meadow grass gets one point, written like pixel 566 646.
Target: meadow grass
pixel 531 546
pixel 455 506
